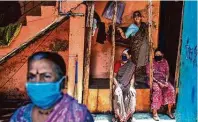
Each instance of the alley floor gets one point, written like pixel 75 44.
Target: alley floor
pixel 6 110
pixel 140 117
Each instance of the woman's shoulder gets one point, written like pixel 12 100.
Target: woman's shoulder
pixel 79 109
pixel 75 104
pixel 132 63
pixel 133 26
pixel 164 60
pixel 144 24
pixel 24 112
pixel 118 62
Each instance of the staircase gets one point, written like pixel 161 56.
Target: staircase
pixel 36 18
pixel 8 107
pixel 37 25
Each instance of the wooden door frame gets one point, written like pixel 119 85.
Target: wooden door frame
pixel 177 70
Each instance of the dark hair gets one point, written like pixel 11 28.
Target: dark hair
pixel 158 49
pixel 137 13
pixel 128 50
pixel 54 57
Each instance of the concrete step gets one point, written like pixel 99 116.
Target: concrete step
pixel 47 11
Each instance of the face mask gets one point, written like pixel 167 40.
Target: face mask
pixel 158 58
pixel 124 58
pixel 44 94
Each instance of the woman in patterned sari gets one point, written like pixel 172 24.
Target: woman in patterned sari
pixel 163 92
pixel 137 34
pixel 124 92
pixel 46 76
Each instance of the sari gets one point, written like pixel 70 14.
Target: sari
pixel 139 46
pixel 161 96
pixel 124 95
pixel 67 110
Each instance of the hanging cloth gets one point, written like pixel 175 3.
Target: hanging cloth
pixel 9 33
pixel 101 37
pixel 108 12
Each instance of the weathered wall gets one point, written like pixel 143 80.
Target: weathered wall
pixel 34 24
pixel 187 100
pixel 100 59
pixel 73 30
pixel 13 72
pixel 98 99
pixel 76 48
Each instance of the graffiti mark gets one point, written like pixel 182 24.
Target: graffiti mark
pixel 193 96
pixel 191 53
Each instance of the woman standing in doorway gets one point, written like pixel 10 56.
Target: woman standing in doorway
pixel 138 34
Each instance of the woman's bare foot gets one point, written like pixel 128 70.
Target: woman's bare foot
pixel 170 115
pixel 114 119
pixel 155 117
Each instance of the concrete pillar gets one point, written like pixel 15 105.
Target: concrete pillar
pixel 76 48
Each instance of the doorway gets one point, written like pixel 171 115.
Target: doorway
pixel 169 32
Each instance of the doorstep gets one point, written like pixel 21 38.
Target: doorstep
pixel 140 117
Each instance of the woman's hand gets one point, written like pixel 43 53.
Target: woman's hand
pixel 119 29
pixel 116 82
pixel 166 84
pixel 161 84
pixel 121 32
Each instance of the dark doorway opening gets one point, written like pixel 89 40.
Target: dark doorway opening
pixel 10 12
pixel 169 32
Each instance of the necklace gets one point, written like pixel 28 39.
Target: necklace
pixel 45 112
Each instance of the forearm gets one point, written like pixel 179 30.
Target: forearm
pixel 123 35
pixel 132 81
pixel 167 77
pixel 115 81
pixel 157 81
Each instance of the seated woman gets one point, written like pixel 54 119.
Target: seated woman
pixel 163 92
pixel 124 93
pixel 45 78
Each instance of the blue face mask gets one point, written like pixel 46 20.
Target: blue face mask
pixel 44 94
pixel 124 58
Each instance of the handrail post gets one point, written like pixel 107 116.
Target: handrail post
pixel 112 54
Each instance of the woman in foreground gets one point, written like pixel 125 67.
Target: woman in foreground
pixel 45 79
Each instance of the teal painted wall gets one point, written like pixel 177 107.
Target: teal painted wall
pixel 187 99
